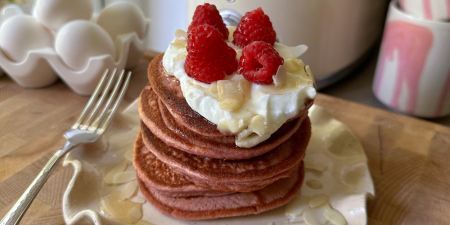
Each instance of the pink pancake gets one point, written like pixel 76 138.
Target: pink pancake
pixel 161 178
pixel 237 204
pixel 233 175
pixel 168 130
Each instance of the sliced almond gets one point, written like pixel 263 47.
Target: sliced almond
pixel 314 165
pixel 241 123
pixel 257 124
pixel 128 191
pixel 318 200
pixel 243 134
pixel 245 87
pixel 180 33
pixel 299 50
pixel 138 199
pixel 230 97
pixel 135 212
pixel 230 104
pixel 213 87
pixel 315 216
pixel 229 126
pixel 279 78
pixel 124 177
pixel 283 50
pixel 309 72
pixel 225 88
pixel 297 206
pixel 252 140
pixel 179 43
pixel 223 126
pixel 181 55
pixel 334 216
pixel 292 65
pixel 231 30
pixel 238 54
pixel 314 184
pixel 109 178
pixel 309 218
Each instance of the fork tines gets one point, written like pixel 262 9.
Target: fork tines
pixel 98 122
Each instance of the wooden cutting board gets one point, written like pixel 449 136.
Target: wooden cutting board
pixel 408 158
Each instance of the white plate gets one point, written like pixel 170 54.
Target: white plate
pixel 346 179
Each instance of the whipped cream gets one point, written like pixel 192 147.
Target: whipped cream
pixel 260 109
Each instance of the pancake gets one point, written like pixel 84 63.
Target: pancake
pixel 161 178
pixel 237 204
pixel 197 123
pixel 247 186
pixel 232 175
pixel 162 124
pixel 169 91
pixel 219 143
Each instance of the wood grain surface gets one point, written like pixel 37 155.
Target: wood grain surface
pixel 408 158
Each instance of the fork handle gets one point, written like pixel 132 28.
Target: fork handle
pixel 16 213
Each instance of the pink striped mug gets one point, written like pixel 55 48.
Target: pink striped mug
pixel 438 10
pixel 413 71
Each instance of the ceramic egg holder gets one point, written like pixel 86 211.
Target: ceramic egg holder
pixel 42 67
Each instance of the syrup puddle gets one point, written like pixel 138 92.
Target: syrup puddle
pixel 122 202
pixel 121 209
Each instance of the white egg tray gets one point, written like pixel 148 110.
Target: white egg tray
pixel 43 67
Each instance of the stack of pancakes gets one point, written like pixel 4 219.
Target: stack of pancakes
pixel 188 169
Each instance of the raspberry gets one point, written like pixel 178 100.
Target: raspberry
pixel 208 14
pixel 209 57
pixel 254 26
pixel 259 62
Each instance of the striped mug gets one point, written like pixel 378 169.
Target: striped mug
pixel 438 10
pixel 413 71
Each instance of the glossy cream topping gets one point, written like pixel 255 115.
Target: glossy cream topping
pixel 252 111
